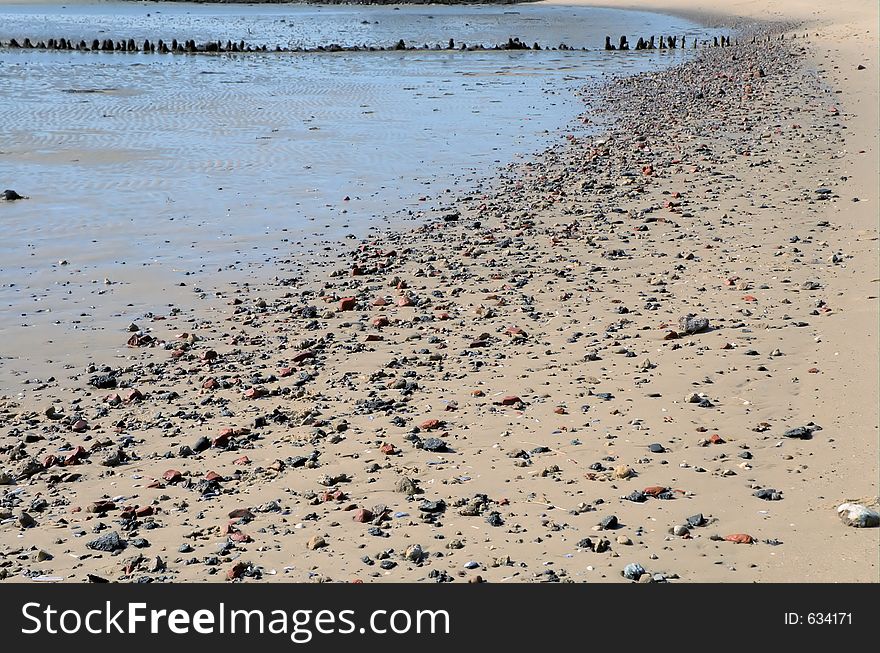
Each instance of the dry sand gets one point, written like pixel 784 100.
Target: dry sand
pixel 536 337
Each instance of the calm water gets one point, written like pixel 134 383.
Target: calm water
pixel 174 164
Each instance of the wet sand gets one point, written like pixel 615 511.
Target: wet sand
pixel 149 170
pixel 509 392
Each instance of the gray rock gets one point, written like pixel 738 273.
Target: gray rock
pixel 768 494
pixel 636 497
pixel 691 324
pixel 406 486
pixel 633 571
pixel 858 516
pixel 609 523
pixel 103 381
pixel 494 519
pixel 25 520
pixel 433 506
pixel 110 542
pixel 800 432
pixel 434 444
pixel 696 520
pixel 414 553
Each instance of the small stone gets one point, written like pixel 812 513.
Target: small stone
pixel 858 515
pixel 624 540
pixel 494 519
pixel 406 486
pixel 691 324
pixel 316 542
pixel 414 553
pixel 680 530
pixel 433 506
pixel 633 571
pixel 237 571
pixel 362 515
pixel 25 520
pixel 434 444
pixel 696 520
pixel 109 542
pixel 609 523
pixel 172 476
pixel 656 448
pixel 740 538
pixel 800 433
pixel 768 494
pixel 103 381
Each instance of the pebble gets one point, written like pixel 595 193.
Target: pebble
pixel 633 571
pixel 691 324
pixel 316 542
pixel 858 515
pixel 768 494
pixel 110 542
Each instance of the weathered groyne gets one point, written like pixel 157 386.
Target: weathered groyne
pixel 191 46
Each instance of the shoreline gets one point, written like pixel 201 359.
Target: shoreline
pixel 494 369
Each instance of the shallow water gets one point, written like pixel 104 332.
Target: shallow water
pixel 175 163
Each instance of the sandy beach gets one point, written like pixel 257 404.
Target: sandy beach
pixel 646 355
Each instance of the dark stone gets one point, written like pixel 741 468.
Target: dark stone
pixel 110 542
pixel 800 432
pixel 494 519
pixel 769 494
pixel 434 444
pixel 103 381
pixel 696 520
